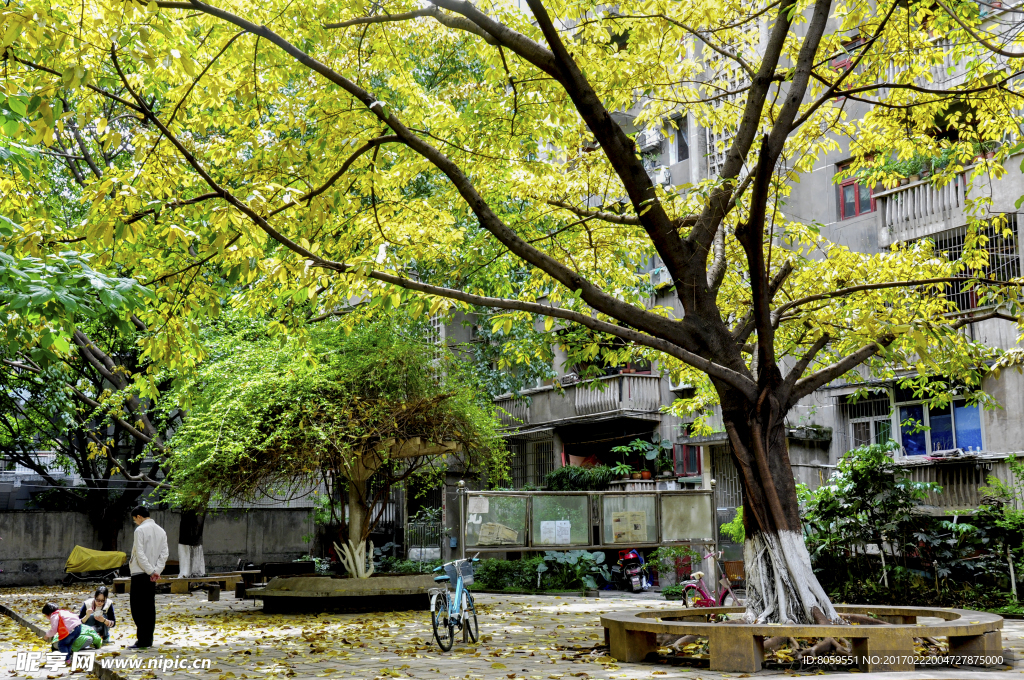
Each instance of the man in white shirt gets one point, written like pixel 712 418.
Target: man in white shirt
pixel 149 555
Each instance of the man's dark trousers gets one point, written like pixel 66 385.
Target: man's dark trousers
pixel 143 603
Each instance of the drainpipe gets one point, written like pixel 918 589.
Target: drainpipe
pixel 462 518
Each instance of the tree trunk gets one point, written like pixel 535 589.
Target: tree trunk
pixel 354 555
pixel 781 586
pixel 191 561
pixel 107 516
pixel 108 531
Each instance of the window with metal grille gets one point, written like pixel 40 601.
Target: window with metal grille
pixel 870 420
pixel 531 461
pixel 435 330
pixel 1003 257
pixel 728 491
pixel 687 460
pixel 731 83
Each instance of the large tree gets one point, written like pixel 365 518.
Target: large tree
pixel 348 414
pixel 49 394
pixel 476 156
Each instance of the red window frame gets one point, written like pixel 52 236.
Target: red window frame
pixel 857 187
pixel 686 460
pixel 844 61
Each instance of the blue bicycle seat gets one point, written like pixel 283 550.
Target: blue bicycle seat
pixel 441 579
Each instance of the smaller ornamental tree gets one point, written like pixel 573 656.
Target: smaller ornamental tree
pixel 350 411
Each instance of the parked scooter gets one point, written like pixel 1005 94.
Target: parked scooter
pixel 630 572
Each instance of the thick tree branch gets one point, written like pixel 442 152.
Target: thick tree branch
pixel 457 23
pixel 106 367
pixel 526 47
pixel 603 215
pixel 370 144
pixel 648 322
pixel 830 92
pixel 974 34
pixel 741 382
pixel 843 292
pixel 801 366
pixel 745 326
pixel 804 386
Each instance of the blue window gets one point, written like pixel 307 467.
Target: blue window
pixel 941 422
pixel 925 430
pixel 915 441
pixel 968 426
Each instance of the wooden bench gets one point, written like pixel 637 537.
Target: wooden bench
pixel 739 647
pixel 181 586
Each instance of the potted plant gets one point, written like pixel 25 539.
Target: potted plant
pixel 636 475
pixel 623 470
pixel 645 474
pixel 666 466
pixel 673 592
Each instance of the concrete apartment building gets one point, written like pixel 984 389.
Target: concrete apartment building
pixel 550 426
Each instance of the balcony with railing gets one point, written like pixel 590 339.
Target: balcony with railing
pixel 919 209
pixel 601 398
pixel 962 482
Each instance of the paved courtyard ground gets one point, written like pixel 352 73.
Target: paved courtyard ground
pixel 522 637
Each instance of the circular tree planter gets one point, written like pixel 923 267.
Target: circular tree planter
pixel 739 647
pixel 319 594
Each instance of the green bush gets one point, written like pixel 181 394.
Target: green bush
pixel 395 565
pixel 507 574
pixel 953 561
pixel 575 478
pixel 735 529
pixel 572 569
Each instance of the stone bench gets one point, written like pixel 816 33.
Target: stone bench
pixel 181 585
pixel 380 593
pixel 739 647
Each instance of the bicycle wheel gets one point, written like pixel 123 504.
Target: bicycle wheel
pixel 444 629
pixel 690 596
pixel 469 617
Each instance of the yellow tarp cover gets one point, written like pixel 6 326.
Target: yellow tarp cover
pixel 83 559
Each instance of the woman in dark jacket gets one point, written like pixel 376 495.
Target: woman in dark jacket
pixel 98 613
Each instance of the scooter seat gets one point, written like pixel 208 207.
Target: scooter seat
pixel 696 575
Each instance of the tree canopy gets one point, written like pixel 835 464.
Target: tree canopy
pixel 296 157
pixel 328 414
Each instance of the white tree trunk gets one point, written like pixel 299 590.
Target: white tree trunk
pixel 356 559
pixel 781 586
pixel 191 561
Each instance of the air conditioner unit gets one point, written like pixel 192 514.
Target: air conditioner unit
pixel 661 175
pixel 660 278
pixel 649 140
pixel 681 390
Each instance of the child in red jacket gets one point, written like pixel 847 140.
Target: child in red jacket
pixel 65 625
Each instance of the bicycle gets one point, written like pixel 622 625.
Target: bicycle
pixel 697 594
pixel 448 612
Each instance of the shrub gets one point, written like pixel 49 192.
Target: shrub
pixel 507 574
pixel 573 569
pixel 396 565
pixel 674 592
pixel 735 529
pixel 575 478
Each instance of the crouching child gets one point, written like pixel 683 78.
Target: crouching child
pixel 65 625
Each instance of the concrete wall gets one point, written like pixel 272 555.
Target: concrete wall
pixel 36 544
